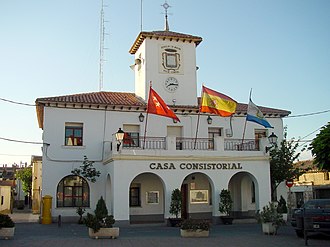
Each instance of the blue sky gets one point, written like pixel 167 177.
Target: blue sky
pixel 279 48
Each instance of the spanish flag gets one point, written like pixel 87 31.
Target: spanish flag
pixel 217 103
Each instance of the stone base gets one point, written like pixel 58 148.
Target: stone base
pixel 7 232
pixel 104 233
pixel 269 228
pixel 194 234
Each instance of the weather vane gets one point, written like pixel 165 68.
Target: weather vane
pixel 166 6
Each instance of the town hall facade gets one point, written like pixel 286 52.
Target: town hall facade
pixel 139 173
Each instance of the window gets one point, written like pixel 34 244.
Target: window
pixel 134 196
pixel 73 134
pixel 258 134
pixel 131 135
pixel 213 132
pixel 152 197
pixel 73 191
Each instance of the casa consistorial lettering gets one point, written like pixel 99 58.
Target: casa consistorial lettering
pixel 196 166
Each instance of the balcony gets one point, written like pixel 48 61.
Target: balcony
pixel 171 146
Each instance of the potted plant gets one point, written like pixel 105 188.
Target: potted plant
pixel 194 228
pixel 7 226
pixel 175 208
pixel 101 224
pixel 80 211
pixel 270 219
pixel 225 207
pixel 282 208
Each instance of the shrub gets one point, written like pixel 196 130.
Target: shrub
pixel 270 214
pixel 226 203
pixel 194 225
pixel 6 221
pixel 101 219
pixel 282 208
pixel 176 202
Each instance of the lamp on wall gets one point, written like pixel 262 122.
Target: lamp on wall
pixel 272 140
pixel 209 120
pixel 175 121
pixel 119 137
pixel 141 117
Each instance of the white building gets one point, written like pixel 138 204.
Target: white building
pixel 137 181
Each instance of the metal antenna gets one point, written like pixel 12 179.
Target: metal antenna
pixel 141 15
pixel 166 6
pixel 102 33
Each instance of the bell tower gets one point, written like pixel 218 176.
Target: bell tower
pixel 166 59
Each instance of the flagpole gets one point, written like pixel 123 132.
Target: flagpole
pixel 199 114
pixel 145 127
pixel 145 130
pixel 197 129
pixel 246 120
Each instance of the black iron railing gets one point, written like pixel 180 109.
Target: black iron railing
pixel 241 145
pixel 183 143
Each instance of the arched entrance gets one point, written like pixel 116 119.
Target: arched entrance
pixel 244 190
pixel 146 199
pixel 197 197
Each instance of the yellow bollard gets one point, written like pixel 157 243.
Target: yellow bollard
pixel 46 210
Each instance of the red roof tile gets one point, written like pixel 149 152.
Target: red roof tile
pixel 163 35
pixel 98 98
pixel 117 99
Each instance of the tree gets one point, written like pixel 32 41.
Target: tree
pixel 176 202
pixel 87 170
pixel 25 175
pixel 320 147
pixel 282 158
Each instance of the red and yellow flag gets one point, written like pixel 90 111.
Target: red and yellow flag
pixel 156 105
pixel 217 103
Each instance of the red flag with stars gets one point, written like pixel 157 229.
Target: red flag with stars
pixel 156 105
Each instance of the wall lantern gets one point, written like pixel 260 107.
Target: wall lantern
pixel 119 137
pixel 175 121
pixel 141 117
pixel 272 140
pixel 209 120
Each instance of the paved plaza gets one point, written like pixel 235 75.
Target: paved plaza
pixel 30 233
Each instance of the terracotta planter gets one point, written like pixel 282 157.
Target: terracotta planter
pixel 7 232
pixel 269 228
pixel 104 233
pixel 194 234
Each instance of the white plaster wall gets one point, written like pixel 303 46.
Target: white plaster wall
pixel 99 127
pixel 186 94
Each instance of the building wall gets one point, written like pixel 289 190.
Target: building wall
pixel 5 199
pixel 119 169
pixel 186 94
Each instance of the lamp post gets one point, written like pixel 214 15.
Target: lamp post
pixel 209 120
pixel 119 137
pixel 272 141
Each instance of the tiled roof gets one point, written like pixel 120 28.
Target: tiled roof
pixel 118 100
pixel 97 98
pixel 163 35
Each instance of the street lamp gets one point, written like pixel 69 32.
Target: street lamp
pixel 209 120
pixel 141 117
pixel 272 140
pixel 119 137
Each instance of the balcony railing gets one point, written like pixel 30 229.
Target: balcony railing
pixel 146 143
pixel 193 143
pixel 182 143
pixel 241 145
